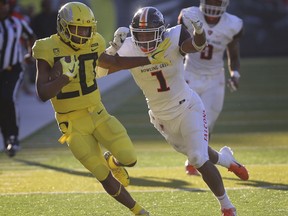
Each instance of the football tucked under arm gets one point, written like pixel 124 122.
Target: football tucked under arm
pixel 56 71
pixel 68 66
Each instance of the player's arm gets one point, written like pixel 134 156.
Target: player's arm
pixel 116 62
pixel 49 82
pixel 28 45
pixel 233 54
pixel 180 18
pixel 194 27
pixel 112 62
pixel 29 39
pixel 188 44
pixel 108 64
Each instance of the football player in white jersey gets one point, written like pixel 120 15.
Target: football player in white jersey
pixel 204 71
pixel 175 110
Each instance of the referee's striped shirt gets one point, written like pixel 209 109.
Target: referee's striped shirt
pixel 11 30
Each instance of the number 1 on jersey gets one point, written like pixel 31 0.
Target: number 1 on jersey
pixel 161 80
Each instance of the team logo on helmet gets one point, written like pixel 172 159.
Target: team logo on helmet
pixel 147 28
pixel 76 24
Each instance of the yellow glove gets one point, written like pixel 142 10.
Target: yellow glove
pixel 70 66
pixel 157 56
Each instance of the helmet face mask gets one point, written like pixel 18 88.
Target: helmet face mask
pixel 147 29
pixel 76 24
pixel 213 8
pixel 147 39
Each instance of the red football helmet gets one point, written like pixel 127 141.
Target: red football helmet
pixel 213 8
pixel 147 28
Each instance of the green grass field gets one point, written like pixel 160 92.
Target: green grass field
pixel 45 179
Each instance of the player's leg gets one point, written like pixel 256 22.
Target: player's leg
pixel 223 158
pixel 115 139
pixel 226 159
pixel 213 179
pixel 194 130
pixel 113 136
pixel 188 135
pixel 211 91
pixel 94 161
pixel 88 151
pixel 213 99
pixel 10 83
pixel 118 192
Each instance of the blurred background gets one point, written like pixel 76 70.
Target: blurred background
pixel 266 33
pixel 265 21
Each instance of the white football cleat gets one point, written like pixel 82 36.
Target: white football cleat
pixel 235 167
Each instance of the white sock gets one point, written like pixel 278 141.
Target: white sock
pixel 225 202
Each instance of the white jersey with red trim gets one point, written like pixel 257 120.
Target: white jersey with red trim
pixel 210 60
pixel 163 85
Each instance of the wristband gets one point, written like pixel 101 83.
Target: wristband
pixel 111 50
pixel 235 74
pixel 198 48
pixel 198 31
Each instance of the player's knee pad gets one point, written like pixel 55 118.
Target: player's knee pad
pixel 110 130
pixel 99 170
pixel 90 159
pixel 196 159
pixel 96 166
pixel 113 136
pixel 126 157
pixel 132 164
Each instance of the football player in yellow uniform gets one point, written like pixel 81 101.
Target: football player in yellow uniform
pixel 67 67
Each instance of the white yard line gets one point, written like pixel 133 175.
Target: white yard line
pixel 143 191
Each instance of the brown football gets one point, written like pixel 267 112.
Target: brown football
pixel 55 71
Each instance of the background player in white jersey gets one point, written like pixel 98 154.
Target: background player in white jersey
pixel 205 74
pixel 175 110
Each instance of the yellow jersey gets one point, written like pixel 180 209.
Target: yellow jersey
pixel 82 91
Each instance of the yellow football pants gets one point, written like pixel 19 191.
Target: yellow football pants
pixel 85 130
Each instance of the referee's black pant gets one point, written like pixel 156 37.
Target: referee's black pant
pixel 10 81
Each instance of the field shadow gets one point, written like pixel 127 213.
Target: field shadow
pixel 58 169
pixel 151 181
pixel 261 184
pixel 147 181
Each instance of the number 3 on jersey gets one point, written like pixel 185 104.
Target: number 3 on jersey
pixel 207 52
